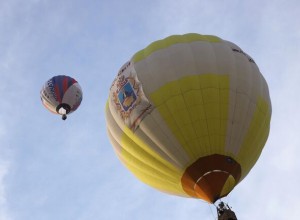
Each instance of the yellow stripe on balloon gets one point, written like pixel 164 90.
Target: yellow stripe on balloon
pixel 134 144
pixel 256 136
pixel 174 39
pixel 153 178
pixel 195 113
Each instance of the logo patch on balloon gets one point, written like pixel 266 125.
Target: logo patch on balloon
pixel 128 97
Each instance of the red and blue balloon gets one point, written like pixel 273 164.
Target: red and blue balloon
pixel 61 95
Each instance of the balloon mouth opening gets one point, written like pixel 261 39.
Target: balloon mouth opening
pixel 211 177
pixel 63 109
pixel 207 183
pixel 209 173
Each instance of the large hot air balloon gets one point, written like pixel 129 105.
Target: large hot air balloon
pixel 61 95
pixel 189 115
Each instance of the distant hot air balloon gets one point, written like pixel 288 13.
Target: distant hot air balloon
pixel 61 95
pixel 189 115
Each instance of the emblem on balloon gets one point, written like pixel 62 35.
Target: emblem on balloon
pixel 128 97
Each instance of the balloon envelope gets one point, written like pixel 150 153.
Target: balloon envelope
pixel 189 115
pixel 61 95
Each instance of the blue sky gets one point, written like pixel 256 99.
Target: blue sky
pixel 54 169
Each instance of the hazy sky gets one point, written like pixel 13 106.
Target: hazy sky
pixel 67 170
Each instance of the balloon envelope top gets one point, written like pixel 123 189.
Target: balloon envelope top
pixel 189 115
pixel 61 95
